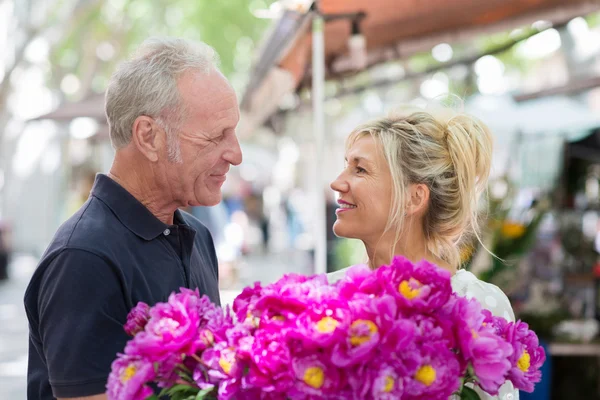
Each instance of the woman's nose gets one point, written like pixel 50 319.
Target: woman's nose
pixel 339 185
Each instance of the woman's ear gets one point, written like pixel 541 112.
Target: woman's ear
pixel 418 200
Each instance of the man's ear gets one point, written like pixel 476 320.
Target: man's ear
pixel 145 134
pixel 418 199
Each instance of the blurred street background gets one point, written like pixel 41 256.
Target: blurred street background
pixel 306 73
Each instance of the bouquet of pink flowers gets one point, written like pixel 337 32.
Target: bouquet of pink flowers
pixel 394 333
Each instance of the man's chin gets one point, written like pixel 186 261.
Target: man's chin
pixel 207 201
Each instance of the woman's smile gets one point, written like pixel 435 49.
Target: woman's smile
pixel 344 206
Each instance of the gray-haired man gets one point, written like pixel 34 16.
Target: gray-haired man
pixel 172 118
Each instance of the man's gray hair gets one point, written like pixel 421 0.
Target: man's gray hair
pixel 146 84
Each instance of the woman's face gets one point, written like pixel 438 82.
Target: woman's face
pixel 365 192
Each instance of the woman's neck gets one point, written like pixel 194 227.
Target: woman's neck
pixel 413 247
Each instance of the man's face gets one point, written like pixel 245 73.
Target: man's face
pixel 207 140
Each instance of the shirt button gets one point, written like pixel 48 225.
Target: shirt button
pixel 509 396
pixel 167 232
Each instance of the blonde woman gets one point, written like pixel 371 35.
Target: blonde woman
pixel 411 187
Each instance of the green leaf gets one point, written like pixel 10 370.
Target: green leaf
pixel 180 390
pixel 203 393
pixel 469 394
pixel 153 397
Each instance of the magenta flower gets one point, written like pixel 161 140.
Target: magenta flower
pixel 387 383
pixel 172 328
pixel 314 378
pixel 323 324
pixel 527 358
pixel 221 367
pixel 423 287
pixel 244 302
pixel 166 370
pixel 363 334
pixel 137 319
pixel 128 378
pixel 381 378
pixel 399 335
pixel 270 363
pixel 359 279
pixel 291 295
pixel 480 345
pixel 436 375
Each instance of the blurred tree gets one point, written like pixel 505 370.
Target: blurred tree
pixel 107 31
pixel 86 38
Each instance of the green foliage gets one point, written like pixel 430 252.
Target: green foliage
pixel 468 394
pixel 506 239
pixel 228 26
pixel 347 252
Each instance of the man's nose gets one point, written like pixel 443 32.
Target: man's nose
pixel 233 154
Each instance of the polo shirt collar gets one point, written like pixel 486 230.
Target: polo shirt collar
pixel 132 214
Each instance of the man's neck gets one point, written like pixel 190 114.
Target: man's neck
pixel 145 190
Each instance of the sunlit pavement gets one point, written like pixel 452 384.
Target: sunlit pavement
pixel 13 329
pixel 13 322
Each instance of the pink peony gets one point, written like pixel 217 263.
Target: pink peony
pixel 221 367
pixel 323 324
pixel 359 279
pixel 315 377
pixel 270 363
pixel 436 375
pixel 291 295
pixel 371 318
pixel 480 345
pixel 381 378
pixel 128 378
pixel 422 288
pixel 172 328
pixel 527 358
pixel 243 304
pixel 386 382
pixel 137 319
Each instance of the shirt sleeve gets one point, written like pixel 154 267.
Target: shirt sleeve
pixel 493 299
pixel 82 310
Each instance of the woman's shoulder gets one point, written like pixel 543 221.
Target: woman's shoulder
pixel 491 297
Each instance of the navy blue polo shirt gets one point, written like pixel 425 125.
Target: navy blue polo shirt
pixel 106 258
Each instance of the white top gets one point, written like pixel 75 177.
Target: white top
pixel 465 284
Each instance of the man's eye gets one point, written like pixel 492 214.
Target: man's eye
pixel 217 139
pixel 360 170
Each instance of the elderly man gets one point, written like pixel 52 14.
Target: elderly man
pixel 172 118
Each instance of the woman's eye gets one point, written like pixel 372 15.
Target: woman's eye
pixel 360 170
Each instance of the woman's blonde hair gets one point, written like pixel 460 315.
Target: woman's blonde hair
pixel 450 153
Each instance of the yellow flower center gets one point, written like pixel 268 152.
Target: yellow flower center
pixel 389 384
pixel 327 325
pixel 410 289
pixel 225 365
pixel 362 336
pixel 524 361
pixel 314 377
pixel 474 334
pixel 128 373
pixel 425 375
pixel 280 318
